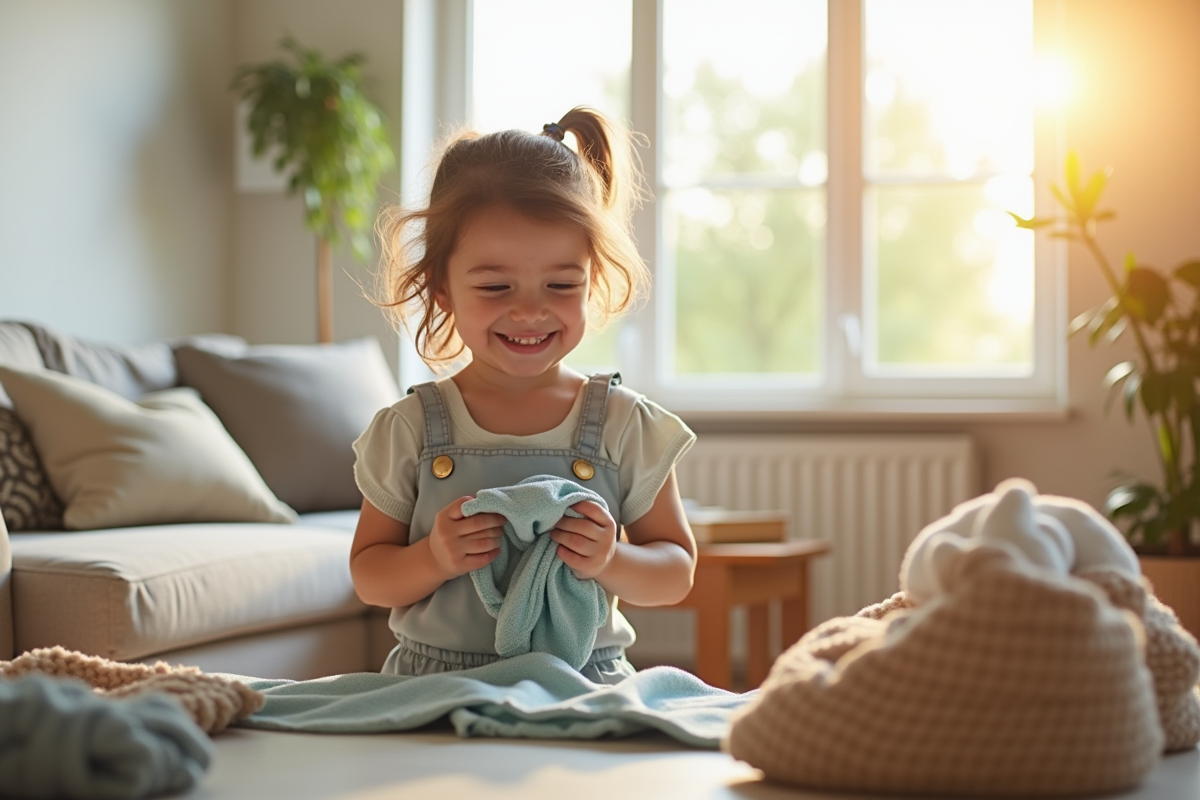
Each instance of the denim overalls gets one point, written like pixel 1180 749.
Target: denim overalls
pixel 451 629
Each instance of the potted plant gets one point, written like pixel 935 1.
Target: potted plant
pixel 1160 310
pixel 331 141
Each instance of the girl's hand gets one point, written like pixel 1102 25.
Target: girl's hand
pixel 460 543
pixel 586 544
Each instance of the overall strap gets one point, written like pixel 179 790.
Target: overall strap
pixel 591 417
pixel 437 419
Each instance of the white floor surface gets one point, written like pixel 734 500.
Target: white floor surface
pixel 257 765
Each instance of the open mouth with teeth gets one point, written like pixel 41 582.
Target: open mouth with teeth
pixel 526 344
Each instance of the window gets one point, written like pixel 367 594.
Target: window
pixel 831 180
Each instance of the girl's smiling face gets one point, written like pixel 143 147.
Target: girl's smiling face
pixel 518 289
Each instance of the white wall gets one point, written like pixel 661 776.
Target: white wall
pixel 114 165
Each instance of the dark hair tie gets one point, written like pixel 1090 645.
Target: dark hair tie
pixel 554 131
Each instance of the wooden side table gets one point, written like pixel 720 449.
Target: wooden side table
pixel 750 574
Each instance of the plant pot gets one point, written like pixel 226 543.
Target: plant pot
pixel 1176 582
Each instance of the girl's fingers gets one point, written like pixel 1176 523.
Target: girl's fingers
pixel 479 522
pixel 477 560
pixel 573 541
pixel 480 545
pixel 590 510
pixel 569 557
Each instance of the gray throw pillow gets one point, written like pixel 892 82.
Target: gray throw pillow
pixel 26 498
pixel 296 411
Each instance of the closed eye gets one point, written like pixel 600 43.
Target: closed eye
pixel 563 286
pixel 493 287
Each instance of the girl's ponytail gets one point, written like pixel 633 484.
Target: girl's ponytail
pixel 608 150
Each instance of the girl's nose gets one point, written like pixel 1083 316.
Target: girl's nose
pixel 528 306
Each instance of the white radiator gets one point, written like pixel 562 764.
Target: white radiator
pixel 869 495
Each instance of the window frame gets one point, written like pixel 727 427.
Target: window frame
pixel 846 392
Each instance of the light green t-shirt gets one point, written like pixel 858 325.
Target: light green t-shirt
pixel 640 436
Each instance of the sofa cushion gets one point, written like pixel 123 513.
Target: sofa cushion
pixel 114 462
pixel 19 349
pixel 129 370
pixel 26 500
pixel 296 411
pixel 129 593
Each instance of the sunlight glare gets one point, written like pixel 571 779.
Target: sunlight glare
pixel 1054 82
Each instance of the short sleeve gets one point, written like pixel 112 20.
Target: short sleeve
pixel 385 467
pixel 646 441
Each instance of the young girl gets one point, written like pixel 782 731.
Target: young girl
pixel 522 241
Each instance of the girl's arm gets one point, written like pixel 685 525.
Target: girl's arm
pixel 653 568
pixel 389 572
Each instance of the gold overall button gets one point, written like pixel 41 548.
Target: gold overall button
pixel 583 470
pixel 443 466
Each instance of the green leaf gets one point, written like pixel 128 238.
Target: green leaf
pixel 1145 294
pixel 1183 389
pixel 1072 172
pixel 1033 223
pixel 1062 198
pixel 1132 389
pixel 1113 380
pixel 1154 393
pixel 1131 499
pixel 1165 446
pixel 1085 319
pixel 1189 273
pixel 1102 325
pixel 1130 263
pixel 1116 330
pixel 1086 202
pixel 1119 373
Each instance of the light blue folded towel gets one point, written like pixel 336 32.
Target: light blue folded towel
pixel 535 695
pixel 60 739
pixel 538 603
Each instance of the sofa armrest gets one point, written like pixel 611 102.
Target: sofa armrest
pixel 6 606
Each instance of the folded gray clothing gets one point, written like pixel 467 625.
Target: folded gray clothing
pixel 58 739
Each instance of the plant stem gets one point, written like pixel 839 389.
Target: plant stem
pixel 324 291
pixel 1168 460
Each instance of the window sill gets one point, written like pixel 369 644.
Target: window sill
pixel 869 411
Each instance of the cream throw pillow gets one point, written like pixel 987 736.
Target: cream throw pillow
pixel 114 462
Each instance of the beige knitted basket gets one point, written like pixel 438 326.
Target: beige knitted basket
pixel 213 702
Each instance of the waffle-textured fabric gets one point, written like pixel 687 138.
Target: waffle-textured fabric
pixel 538 603
pixel 58 739
pixel 1013 681
pixel 536 696
pixel 1172 656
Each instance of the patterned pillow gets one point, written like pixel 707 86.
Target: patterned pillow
pixel 26 499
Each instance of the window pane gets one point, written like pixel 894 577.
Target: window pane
pixel 527 73
pixel 746 270
pixel 743 90
pixel 535 60
pixel 948 87
pixel 949 283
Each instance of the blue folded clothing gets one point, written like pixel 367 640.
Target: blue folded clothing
pixel 58 739
pixel 538 603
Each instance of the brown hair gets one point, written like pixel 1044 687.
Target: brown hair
pixel 594 190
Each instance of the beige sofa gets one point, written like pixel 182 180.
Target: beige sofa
pixel 252 597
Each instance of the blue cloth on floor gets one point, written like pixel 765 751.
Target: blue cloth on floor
pixel 538 603
pixel 59 739
pixel 535 695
